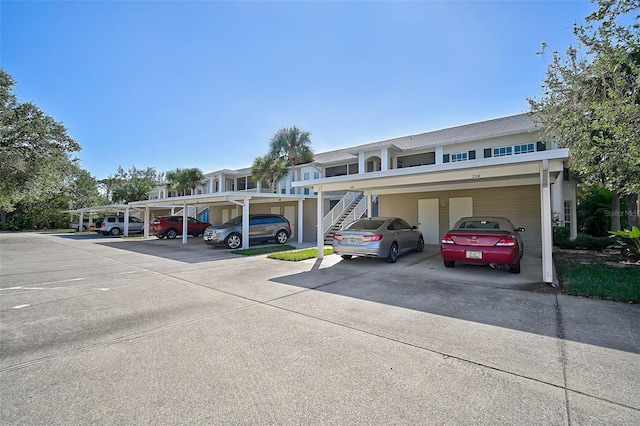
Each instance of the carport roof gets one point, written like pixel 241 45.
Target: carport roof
pixel 218 198
pixel 110 208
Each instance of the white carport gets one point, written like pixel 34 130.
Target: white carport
pixel 125 209
pixel 539 168
pixel 242 199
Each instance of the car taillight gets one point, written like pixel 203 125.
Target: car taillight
pixel 447 240
pixel 337 237
pixel 371 238
pixel 506 242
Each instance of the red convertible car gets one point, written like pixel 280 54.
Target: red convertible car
pixel 485 240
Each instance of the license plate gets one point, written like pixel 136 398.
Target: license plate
pixel 474 255
pixel 352 241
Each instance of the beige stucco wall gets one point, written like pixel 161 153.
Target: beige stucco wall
pixel 521 204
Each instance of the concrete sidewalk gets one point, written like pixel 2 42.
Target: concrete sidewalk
pixel 116 331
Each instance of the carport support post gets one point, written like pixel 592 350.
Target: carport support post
pixel 126 221
pixel 245 223
pixel 319 230
pixel 146 222
pixel 185 221
pixel 300 224
pixel 80 222
pixel 547 240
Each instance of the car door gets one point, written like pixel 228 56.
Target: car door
pixel 135 224
pixel 192 225
pixel 257 227
pixel 402 232
pixel 270 225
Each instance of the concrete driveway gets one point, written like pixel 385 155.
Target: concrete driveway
pixel 133 331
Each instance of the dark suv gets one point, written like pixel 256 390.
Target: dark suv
pixel 171 226
pixel 262 227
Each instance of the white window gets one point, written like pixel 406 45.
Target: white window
pixel 567 213
pixel 525 148
pixel 502 151
pixel 316 175
pixel 461 156
pixel 306 176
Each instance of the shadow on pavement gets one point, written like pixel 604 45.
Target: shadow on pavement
pixel 501 305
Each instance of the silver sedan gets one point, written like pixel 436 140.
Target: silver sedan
pixel 379 237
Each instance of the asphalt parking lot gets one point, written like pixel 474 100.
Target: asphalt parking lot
pixel 134 331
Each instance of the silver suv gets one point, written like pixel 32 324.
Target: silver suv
pixel 262 227
pixel 114 225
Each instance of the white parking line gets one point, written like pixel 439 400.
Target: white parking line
pixel 19 306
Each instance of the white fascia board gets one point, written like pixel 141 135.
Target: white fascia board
pixel 515 160
pixel 107 208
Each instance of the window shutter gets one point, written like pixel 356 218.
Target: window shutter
pixel 472 155
pixel 541 146
pixel 487 153
pixel 445 158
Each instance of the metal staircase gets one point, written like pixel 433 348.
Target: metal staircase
pixel 352 207
pixel 192 211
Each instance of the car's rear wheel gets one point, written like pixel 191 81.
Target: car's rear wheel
pixel 115 231
pixel 281 237
pixel 233 241
pixel 515 268
pixel 84 228
pixel 449 263
pixel 393 253
pixel 420 245
pixel 171 234
pixel 346 256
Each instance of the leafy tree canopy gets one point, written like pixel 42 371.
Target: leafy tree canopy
pixel 131 185
pixel 591 98
pixel 35 150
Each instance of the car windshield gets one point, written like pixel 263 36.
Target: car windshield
pixel 479 224
pixel 235 221
pixel 365 225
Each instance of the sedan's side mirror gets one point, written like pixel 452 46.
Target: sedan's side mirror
pixel 414 227
pixel 520 229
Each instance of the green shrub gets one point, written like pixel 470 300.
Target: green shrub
pixel 629 241
pixel 560 234
pixel 587 242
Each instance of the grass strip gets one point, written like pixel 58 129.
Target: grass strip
pixel 263 250
pixel 600 281
pixel 298 255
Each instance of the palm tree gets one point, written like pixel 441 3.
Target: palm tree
pixel 183 179
pixel 193 178
pixel 293 145
pixel 269 169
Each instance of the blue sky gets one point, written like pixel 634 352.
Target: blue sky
pixel 206 84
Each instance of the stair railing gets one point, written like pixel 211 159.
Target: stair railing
pixel 357 212
pixel 334 214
